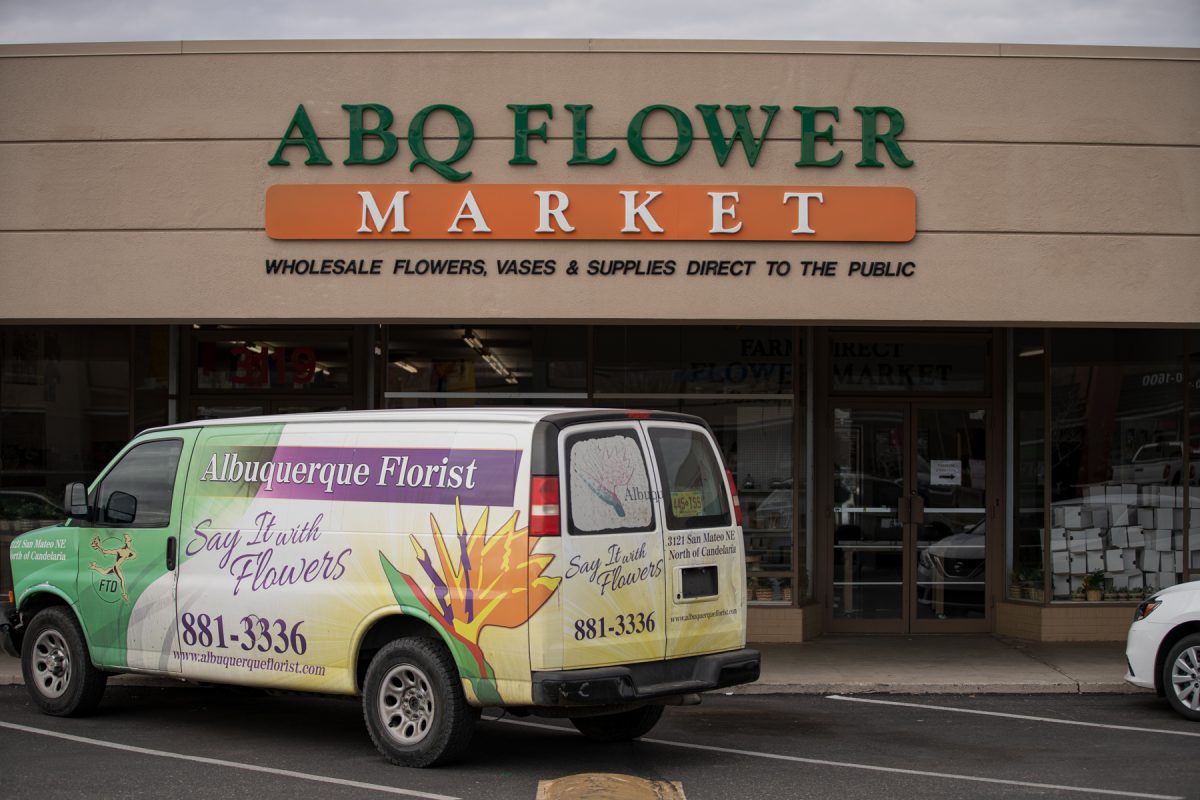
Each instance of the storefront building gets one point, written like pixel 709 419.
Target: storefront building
pixel 939 303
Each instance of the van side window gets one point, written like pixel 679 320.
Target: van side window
pixel 136 493
pixel 609 488
pixel 692 479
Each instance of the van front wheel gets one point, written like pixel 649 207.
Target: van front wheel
pixel 56 666
pixel 619 727
pixel 414 705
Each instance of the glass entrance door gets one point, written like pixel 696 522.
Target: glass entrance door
pixel 910 509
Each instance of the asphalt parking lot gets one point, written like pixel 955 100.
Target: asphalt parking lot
pixel 197 742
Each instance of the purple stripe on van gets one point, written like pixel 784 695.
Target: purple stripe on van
pixel 376 475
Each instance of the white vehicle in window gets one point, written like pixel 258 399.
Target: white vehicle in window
pixel 1157 463
pixel 1163 648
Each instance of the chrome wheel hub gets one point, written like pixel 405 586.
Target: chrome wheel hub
pixel 51 664
pixel 407 705
pixel 1185 678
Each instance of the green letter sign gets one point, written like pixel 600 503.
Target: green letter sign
pixel 416 142
pixel 358 133
pixel 809 135
pixel 741 130
pixel 683 135
pixel 870 137
pixel 308 139
pixel 522 131
pixel 579 138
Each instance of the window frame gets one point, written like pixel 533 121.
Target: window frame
pixel 98 490
pixel 633 431
pixel 673 523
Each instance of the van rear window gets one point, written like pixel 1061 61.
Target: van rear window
pixel 692 479
pixel 610 485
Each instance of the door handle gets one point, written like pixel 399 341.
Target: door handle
pixel 917 509
pixel 903 510
pixel 172 553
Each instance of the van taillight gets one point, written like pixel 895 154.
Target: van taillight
pixel 737 504
pixel 543 507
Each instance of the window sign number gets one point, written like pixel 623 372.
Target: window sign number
pixel 254 365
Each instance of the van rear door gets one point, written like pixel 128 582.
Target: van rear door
pixel 704 562
pixel 614 587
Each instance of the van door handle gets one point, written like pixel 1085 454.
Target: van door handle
pixel 172 548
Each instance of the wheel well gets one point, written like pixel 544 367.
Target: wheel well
pixel 40 602
pixel 387 630
pixel 1177 633
pixel 30 608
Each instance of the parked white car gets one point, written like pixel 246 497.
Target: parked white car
pixel 1163 648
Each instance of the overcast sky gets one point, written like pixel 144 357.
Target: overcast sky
pixel 1169 23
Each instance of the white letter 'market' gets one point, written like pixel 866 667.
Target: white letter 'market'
pixel 802 225
pixel 396 208
pixel 719 212
pixel 545 212
pixel 640 210
pixel 469 210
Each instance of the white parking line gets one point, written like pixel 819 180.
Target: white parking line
pixel 220 762
pixel 1013 716
pixel 870 767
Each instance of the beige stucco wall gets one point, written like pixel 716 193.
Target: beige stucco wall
pixel 1054 185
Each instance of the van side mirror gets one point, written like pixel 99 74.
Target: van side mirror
pixel 121 508
pixel 75 501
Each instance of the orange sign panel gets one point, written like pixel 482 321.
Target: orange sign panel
pixel 591 212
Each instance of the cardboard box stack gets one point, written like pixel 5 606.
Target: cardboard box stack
pixel 1133 533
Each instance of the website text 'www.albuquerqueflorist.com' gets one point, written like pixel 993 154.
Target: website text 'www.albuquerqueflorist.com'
pixel 250 664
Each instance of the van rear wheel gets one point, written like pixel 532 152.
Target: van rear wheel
pixel 414 706
pixel 56 665
pixel 619 727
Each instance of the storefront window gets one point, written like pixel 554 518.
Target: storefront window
pixel 259 361
pixel 65 395
pixel 679 359
pixel 151 376
pixel 895 363
pixel 71 396
pixel 740 380
pixel 1025 564
pixel 1193 490
pixel 1120 463
pixel 483 365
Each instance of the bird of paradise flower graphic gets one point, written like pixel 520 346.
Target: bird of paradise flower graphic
pixel 497 581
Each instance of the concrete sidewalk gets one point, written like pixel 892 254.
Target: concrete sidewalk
pixel 894 664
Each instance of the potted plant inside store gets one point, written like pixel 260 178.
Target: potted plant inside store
pixel 1093 585
pixel 1034 583
pixel 1016 580
pixel 1029 583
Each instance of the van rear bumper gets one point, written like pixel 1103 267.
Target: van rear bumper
pixel 602 686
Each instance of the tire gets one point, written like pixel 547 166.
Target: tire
pixel 619 727
pixel 1181 677
pixel 414 706
pixel 56 665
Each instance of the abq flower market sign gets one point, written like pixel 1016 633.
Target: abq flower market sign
pixel 791 212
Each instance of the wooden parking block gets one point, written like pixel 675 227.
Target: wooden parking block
pixel 608 786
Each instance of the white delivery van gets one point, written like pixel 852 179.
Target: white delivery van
pixel 577 563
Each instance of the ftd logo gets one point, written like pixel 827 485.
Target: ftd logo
pixel 108 581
